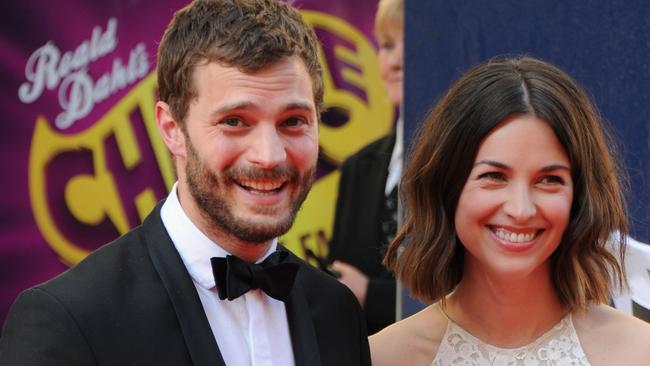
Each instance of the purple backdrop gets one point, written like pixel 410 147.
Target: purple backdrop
pixel 81 71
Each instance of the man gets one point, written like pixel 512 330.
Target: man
pixel 240 90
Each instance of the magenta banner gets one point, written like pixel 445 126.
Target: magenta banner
pixel 83 159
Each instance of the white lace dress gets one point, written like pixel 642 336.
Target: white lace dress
pixel 558 346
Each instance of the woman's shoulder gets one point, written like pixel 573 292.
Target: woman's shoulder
pixel 609 321
pixel 609 336
pixel 410 341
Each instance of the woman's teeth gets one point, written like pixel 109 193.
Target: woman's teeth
pixel 513 237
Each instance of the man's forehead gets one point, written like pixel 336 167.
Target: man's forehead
pixel 224 90
pixel 291 61
pixel 287 75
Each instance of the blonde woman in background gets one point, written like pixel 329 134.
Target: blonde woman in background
pixel 366 210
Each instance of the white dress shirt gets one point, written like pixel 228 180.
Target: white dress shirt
pixel 396 158
pixel 250 330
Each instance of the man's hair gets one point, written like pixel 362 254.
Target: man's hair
pixel 390 15
pixel 246 34
pixel 427 255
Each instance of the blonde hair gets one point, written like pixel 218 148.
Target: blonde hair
pixel 390 15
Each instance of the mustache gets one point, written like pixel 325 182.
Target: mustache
pixel 280 172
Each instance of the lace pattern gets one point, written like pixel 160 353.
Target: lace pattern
pixel 559 346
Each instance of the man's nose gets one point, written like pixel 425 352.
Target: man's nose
pixel 519 204
pixel 267 148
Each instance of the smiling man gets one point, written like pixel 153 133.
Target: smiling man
pixel 203 280
pixel 246 151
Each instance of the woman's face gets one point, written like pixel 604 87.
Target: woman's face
pixel 391 48
pixel 515 205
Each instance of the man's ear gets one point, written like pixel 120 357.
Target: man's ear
pixel 170 130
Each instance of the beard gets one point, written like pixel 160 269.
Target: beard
pixel 209 192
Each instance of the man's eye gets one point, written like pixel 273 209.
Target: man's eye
pixel 232 121
pixel 293 122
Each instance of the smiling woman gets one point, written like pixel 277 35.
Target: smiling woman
pixel 511 197
pixel 514 207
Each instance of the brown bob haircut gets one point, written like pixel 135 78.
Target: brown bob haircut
pixel 427 255
pixel 246 34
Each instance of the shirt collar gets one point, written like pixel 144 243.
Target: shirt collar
pixel 396 158
pixel 194 247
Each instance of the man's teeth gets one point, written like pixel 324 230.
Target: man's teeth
pixel 261 185
pixel 514 237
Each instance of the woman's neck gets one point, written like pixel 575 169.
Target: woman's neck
pixel 503 311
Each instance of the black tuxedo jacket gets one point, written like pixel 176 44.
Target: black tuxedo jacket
pixel 357 227
pixel 132 302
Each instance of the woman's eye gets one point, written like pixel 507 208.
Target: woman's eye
pixel 552 179
pixel 387 45
pixel 493 176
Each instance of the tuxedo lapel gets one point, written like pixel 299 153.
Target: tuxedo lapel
pixel 193 322
pixel 301 325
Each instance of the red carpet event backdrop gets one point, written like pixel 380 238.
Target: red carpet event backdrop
pixel 82 156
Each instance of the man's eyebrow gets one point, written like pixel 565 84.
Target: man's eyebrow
pixel 308 107
pixel 233 106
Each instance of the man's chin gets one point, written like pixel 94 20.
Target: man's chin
pixel 259 228
pixel 257 235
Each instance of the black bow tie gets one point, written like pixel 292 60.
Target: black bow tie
pixel 234 277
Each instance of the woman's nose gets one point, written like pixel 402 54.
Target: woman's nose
pixel 520 205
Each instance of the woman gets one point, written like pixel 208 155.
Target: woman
pixel 511 197
pixel 366 207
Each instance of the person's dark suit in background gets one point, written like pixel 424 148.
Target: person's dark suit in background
pixel 357 234
pixel 366 208
pixel 240 92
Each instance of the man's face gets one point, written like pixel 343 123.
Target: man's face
pixel 251 148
